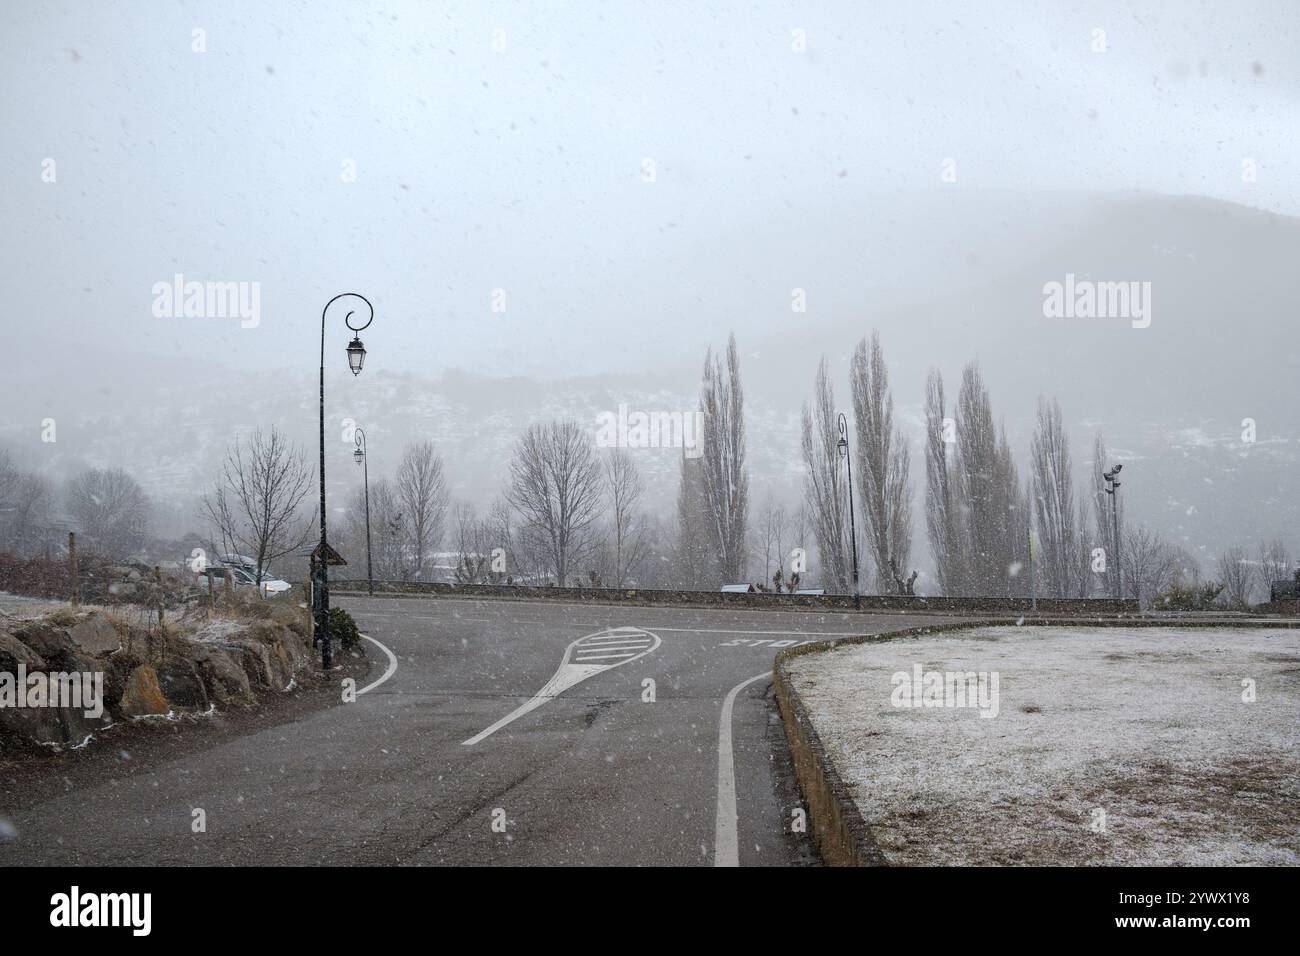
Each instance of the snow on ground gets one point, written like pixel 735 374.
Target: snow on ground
pixel 20 607
pixel 221 629
pixel 1148 725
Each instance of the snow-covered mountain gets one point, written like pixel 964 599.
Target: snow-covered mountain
pixel 1222 347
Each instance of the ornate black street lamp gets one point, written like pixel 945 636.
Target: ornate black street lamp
pixel 356 358
pixel 360 457
pixel 843 445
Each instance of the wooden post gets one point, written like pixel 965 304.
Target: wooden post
pixel 72 567
pixel 228 575
pixel 210 595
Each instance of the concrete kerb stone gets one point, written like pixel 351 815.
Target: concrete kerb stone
pixel 839 831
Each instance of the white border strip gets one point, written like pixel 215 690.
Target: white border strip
pixel 392 666
pixel 726 849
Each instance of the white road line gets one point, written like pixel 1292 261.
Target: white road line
pixel 726 849
pixel 392 665
pixel 601 657
pixel 617 647
pixel 718 630
pixel 569 673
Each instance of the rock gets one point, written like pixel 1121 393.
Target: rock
pixel 181 683
pixel 46 639
pixel 142 695
pixel 14 652
pixel 221 669
pixel 40 724
pixel 52 725
pixel 272 654
pixel 95 635
pixel 117 671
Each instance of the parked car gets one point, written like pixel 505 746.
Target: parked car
pixel 242 577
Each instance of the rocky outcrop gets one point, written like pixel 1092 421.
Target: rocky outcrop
pixel 179 680
pixel 142 694
pixel 14 652
pixel 95 635
pixel 227 661
pixel 220 668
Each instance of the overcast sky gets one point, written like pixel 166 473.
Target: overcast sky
pixel 504 146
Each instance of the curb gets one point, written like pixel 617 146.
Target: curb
pixel 839 831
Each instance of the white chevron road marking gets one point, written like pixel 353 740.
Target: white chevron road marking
pixel 579 663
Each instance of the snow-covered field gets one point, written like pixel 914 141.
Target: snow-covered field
pixel 1109 746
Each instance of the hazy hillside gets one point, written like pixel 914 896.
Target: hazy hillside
pixel 1222 346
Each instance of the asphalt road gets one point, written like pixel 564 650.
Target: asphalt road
pixel 624 761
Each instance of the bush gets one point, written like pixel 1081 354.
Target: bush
pixel 343 628
pixel 1182 597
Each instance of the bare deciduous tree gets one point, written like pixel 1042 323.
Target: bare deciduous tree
pixel 110 510
pixel 1151 565
pixel 772 527
pixel 626 532
pixel 9 476
pixel 25 499
pixel 422 496
pixel 555 488
pixel 827 486
pixel 1274 565
pixel 724 481
pixel 696 564
pixel 387 531
pixel 1235 576
pixel 943 517
pixel 475 549
pixel 994 516
pixel 255 510
pixel 883 468
pixel 1053 502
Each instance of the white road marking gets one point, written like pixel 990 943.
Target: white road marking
pixel 726 850
pixel 392 665
pixel 718 630
pixel 571 671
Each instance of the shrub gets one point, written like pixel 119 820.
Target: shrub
pixel 344 628
pixel 1183 597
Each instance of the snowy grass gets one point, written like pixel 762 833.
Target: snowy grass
pixel 1147 725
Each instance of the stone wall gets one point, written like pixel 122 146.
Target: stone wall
pixel 826 602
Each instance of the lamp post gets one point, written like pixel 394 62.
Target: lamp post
pixel 843 446
pixel 1112 486
pixel 360 457
pixel 356 358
